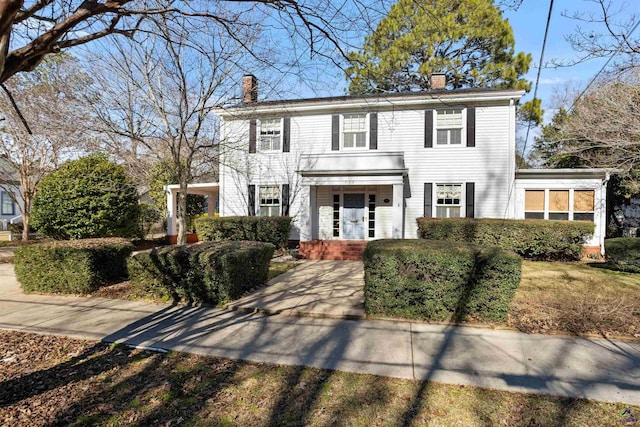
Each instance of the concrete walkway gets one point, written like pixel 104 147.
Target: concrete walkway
pixel 566 366
pixel 329 289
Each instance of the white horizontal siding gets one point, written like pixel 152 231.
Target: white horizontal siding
pixel 490 164
pixel 600 201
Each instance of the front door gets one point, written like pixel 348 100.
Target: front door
pixel 353 216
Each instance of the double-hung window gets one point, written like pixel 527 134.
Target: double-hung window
pixel 269 200
pixel 270 134
pixel 354 131
pixel 448 200
pixel 7 206
pixel 449 127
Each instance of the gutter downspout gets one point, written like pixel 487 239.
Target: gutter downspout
pixel 603 215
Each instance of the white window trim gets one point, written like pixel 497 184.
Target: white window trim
pixel 259 204
pixel 259 139
pixel 463 132
pixel 4 195
pixel 366 130
pixel 571 211
pixel 463 198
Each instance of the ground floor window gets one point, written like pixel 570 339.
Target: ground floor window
pixel 448 200
pixel 269 200
pixel 6 203
pixel 577 205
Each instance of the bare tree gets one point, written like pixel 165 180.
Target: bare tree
pixel 44 131
pixel 32 29
pixel 602 130
pixel 607 32
pixel 155 96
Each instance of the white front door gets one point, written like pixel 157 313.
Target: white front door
pixel 353 216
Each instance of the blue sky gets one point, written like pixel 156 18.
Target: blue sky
pixel 528 24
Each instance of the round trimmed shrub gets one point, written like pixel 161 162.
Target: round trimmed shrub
pixel 86 198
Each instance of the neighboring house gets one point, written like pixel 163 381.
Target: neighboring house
pixel 9 210
pixel 365 167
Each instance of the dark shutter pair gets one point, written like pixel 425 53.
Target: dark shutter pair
pixel 286 132
pixel 373 132
pixel 284 202
pixel 471 127
pixel 469 202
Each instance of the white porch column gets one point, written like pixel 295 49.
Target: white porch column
pixel 397 212
pixel 171 209
pixel 308 218
pixel 211 203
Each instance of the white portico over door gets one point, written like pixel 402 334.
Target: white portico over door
pixel 354 196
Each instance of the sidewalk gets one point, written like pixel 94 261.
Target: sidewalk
pixel 567 366
pixel 327 289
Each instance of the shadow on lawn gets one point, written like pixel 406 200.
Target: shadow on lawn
pixel 174 388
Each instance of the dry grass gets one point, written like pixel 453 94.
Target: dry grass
pixel 61 381
pixel 576 298
pixel 277 268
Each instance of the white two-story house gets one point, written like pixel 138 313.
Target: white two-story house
pixel 355 168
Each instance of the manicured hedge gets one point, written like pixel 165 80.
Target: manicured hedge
pixel 274 230
pixel 532 239
pixel 211 273
pixel 623 253
pixel 72 266
pixel 437 280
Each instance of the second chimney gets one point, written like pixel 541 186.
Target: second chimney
pixel 249 89
pixel 438 81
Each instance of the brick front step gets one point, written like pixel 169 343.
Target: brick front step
pixel 346 250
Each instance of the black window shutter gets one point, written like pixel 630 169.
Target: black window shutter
pixel 470 196
pixel 373 131
pixel 252 200
pixel 335 132
pixel 285 199
pixel 471 127
pixel 428 204
pixel 428 128
pixel 285 134
pixel 252 135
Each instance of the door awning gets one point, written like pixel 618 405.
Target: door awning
pixel 361 168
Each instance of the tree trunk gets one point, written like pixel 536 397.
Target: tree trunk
pixel 25 226
pixel 181 214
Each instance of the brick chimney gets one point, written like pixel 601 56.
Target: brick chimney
pixel 438 81
pixel 249 89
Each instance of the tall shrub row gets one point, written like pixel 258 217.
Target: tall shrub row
pixel 436 280
pixel 532 239
pixel 72 266
pixel 274 230
pixel 212 273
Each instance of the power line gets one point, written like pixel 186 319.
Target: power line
pixel 535 91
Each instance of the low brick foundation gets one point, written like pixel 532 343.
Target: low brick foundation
pixel 346 250
pixel 191 238
pixel 591 250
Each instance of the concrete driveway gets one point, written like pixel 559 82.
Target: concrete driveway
pixel 331 289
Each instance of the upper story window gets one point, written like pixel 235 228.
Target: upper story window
pixel 269 200
pixel 354 131
pixel 270 135
pixel 449 127
pixel 448 200
pixel 7 207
